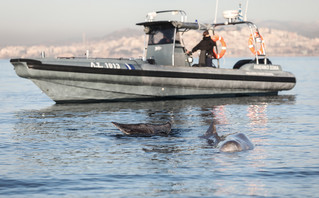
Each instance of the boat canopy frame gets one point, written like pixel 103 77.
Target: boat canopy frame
pixel 184 26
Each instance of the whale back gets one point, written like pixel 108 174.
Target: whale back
pixel 144 129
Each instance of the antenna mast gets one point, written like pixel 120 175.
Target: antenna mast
pixel 216 9
pixel 246 9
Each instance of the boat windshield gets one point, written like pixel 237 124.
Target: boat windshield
pixel 162 36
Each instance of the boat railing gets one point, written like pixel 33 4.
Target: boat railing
pixel 256 38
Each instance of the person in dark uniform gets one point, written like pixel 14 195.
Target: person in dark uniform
pixel 206 46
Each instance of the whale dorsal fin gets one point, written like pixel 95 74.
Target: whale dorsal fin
pixel 211 131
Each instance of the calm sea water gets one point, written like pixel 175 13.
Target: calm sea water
pixel 49 150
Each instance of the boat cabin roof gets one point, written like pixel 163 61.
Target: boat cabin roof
pixel 181 26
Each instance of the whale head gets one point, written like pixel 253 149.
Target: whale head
pixel 236 143
pixel 230 146
pixel 227 143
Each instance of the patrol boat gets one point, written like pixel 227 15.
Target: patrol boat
pixel 165 71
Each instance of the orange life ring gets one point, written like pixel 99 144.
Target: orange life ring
pixel 222 53
pixel 251 44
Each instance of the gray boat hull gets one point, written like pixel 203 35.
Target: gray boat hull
pixel 83 80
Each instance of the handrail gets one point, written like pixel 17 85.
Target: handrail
pixel 253 28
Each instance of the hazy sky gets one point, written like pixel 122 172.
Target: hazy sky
pixel 47 21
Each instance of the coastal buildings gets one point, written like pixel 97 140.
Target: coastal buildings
pixel 278 43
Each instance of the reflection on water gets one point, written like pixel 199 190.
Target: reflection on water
pixel 77 143
pixel 257 114
pixel 69 120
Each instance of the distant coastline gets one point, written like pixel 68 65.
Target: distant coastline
pixel 130 43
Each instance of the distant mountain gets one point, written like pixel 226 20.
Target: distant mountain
pixel 127 32
pixel 310 30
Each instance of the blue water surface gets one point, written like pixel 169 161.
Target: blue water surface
pixel 73 150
